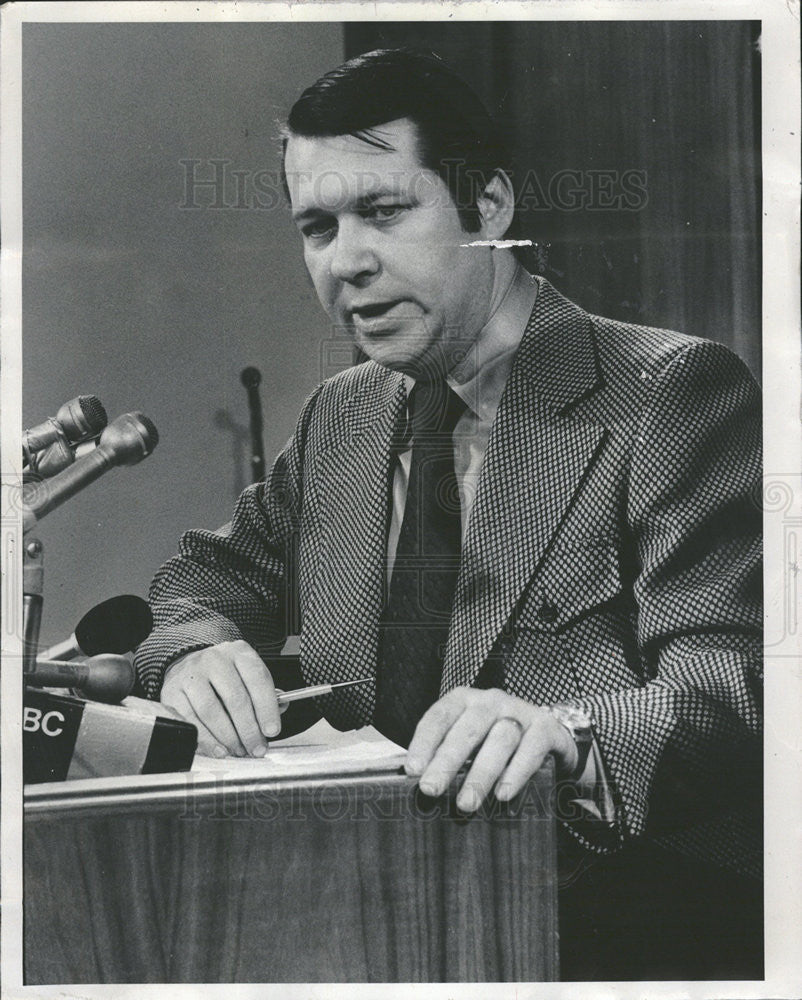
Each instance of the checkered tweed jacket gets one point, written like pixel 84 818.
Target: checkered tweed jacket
pixel 612 559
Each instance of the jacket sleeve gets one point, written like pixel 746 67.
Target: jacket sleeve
pixel 230 584
pixel 688 740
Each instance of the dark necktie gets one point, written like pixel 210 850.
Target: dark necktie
pixel 414 624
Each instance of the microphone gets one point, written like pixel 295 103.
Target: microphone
pixel 251 378
pixel 116 625
pixel 107 677
pixel 75 421
pixel 126 441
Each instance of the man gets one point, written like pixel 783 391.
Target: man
pixel 534 530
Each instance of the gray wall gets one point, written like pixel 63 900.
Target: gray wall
pixel 148 305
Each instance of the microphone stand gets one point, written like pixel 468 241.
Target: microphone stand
pixel 250 378
pixel 33 573
pixel 126 441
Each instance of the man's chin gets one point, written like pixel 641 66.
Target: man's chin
pixel 391 356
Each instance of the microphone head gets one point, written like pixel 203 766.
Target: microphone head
pixel 82 418
pixel 76 420
pixel 251 377
pixel 114 626
pixel 108 678
pixel 128 439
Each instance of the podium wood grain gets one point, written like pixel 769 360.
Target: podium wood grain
pixel 357 879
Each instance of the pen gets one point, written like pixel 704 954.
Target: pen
pixel 285 697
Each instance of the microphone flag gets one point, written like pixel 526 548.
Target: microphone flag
pixel 65 738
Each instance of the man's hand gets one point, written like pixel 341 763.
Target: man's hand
pixel 228 693
pixel 508 738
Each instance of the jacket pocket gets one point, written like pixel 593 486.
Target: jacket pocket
pixel 573 582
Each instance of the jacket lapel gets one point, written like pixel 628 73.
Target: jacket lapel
pixel 535 461
pixel 343 590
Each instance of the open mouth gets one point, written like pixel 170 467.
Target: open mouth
pixel 375 310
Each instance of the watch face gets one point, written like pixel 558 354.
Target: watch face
pixel 576 719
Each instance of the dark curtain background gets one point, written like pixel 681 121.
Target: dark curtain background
pixel 658 123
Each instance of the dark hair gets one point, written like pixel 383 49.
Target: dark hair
pixel 457 137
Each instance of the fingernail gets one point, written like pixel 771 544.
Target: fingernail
pixel 259 751
pixel 434 782
pixel 271 732
pixel 219 751
pixel 468 800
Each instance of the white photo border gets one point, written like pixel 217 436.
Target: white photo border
pixel 783 469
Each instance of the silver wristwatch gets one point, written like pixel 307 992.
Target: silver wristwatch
pixel 578 723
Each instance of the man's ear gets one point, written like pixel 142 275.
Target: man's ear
pixel 496 206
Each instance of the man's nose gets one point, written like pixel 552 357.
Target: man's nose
pixel 353 257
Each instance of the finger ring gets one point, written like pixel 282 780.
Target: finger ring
pixel 514 721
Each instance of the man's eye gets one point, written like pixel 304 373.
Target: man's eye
pixel 321 229
pixel 384 213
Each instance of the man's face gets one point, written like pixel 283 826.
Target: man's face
pixel 383 244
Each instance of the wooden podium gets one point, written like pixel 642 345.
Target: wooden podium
pixel 240 876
